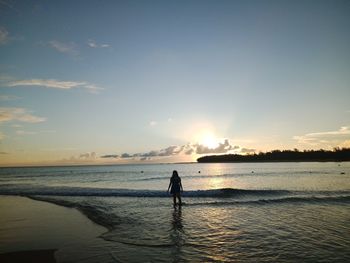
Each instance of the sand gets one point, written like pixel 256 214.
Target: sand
pixel 35 231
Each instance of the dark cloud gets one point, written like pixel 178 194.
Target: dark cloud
pixel 110 156
pixel 246 150
pixel 126 155
pixel 221 148
pixel 187 149
pixel 88 156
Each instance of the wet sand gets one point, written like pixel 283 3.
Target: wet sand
pixel 36 231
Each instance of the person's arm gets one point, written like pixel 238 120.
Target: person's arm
pixel 169 185
pixel 181 186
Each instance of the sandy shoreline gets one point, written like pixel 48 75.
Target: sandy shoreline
pixel 37 231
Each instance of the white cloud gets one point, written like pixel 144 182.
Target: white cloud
pixel 19 114
pixel 92 43
pixel 56 84
pixel 153 123
pixel 3 36
pixel 329 138
pixel 66 48
pixel 92 88
pixel 48 83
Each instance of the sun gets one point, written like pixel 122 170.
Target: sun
pixel 208 139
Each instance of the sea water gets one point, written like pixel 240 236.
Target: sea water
pixel 239 212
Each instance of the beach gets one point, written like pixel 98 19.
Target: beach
pixel 283 212
pixel 101 102
pixel 35 231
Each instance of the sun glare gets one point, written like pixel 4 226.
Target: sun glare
pixel 209 140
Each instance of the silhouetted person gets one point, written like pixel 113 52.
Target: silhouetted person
pixel 176 187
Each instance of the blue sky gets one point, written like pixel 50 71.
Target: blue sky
pixel 171 80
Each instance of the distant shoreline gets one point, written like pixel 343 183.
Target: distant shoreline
pixel 337 155
pixel 279 161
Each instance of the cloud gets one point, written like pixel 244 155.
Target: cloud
pixel 4 152
pixel 66 48
pixel 221 148
pixel 247 150
pixel 169 151
pixel 2 136
pixel 153 123
pixel 110 156
pixel 8 97
pixel 92 44
pixel 187 149
pixel 3 36
pixel 19 114
pixel 329 138
pixel 125 155
pixel 55 84
pixel 88 156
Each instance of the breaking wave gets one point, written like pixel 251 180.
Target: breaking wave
pixel 80 191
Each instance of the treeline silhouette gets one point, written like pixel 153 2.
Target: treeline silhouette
pixel 336 155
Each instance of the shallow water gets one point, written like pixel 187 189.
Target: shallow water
pixel 270 212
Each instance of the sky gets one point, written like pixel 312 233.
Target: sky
pixel 84 82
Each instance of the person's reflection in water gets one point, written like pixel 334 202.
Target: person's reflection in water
pixel 177 234
pixel 177 220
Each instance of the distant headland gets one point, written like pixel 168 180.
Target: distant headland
pixel 335 155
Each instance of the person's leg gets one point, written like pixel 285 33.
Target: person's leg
pixel 174 199
pixel 179 197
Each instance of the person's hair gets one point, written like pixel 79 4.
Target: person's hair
pixel 175 173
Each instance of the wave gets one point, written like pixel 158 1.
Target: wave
pixel 229 195
pixel 101 213
pixel 80 191
pixel 286 200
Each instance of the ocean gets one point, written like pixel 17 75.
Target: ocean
pixel 232 212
